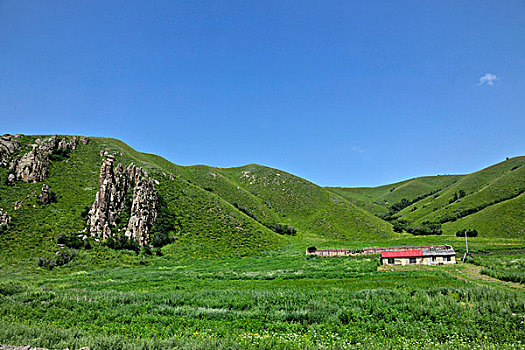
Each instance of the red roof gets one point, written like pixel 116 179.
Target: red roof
pixel 402 253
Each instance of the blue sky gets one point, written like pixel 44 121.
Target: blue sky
pixel 346 93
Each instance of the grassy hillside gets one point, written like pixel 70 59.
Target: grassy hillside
pixel 379 199
pixel 207 224
pixel 215 211
pixel 488 200
pixel 505 219
pixel 272 196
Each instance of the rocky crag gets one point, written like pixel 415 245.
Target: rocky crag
pixel 33 166
pixel 112 202
pixel 4 219
pixel 44 196
pixel 8 146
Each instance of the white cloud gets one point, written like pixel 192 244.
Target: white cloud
pixel 488 79
pixel 358 150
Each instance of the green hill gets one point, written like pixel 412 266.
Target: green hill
pixel 213 211
pixel 488 200
pixel 247 210
pixel 379 199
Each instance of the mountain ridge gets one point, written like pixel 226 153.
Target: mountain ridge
pixel 250 209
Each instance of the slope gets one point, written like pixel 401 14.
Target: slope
pixel 505 220
pixel 463 200
pixel 206 224
pixel 379 199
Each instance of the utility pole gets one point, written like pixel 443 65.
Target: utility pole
pixel 466 247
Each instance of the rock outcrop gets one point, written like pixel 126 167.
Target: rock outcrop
pixel 33 166
pixel 4 219
pixel 44 197
pixel 8 146
pixel 11 179
pixel 143 211
pixel 110 202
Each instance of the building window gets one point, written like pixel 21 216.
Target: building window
pixel 391 261
pixel 412 260
pixel 447 258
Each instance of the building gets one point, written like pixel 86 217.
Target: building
pixel 377 250
pixel 329 252
pixel 419 257
pixel 414 255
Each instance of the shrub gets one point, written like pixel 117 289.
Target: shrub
pixel 146 250
pixel 61 258
pixel 284 229
pixel 59 154
pixel 424 229
pixel 121 242
pixel 73 241
pixel 470 233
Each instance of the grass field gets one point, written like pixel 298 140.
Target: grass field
pixel 275 300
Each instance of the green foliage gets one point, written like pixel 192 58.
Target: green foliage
pixel 62 257
pixel 59 155
pixel 469 232
pixel 424 229
pixel 119 241
pixel 283 229
pixel 73 241
pixel 506 266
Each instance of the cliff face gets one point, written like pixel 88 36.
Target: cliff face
pixel 143 211
pixel 8 146
pixel 110 202
pixel 33 166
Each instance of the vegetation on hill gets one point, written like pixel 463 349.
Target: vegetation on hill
pixel 489 200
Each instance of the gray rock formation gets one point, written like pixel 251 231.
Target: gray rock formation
pixel 143 211
pixel 8 146
pixel 11 179
pixel 44 197
pixel 65 145
pixel 33 166
pixel 110 201
pixel 4 219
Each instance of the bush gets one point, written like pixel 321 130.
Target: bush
pixel 425 229
pixel 470 233
pixel 72 241
pixel 284 229
pixel 121 242
pixel 61 258
pixel 59 154
pixel 146 250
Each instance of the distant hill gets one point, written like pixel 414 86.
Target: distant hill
pixel 489 200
